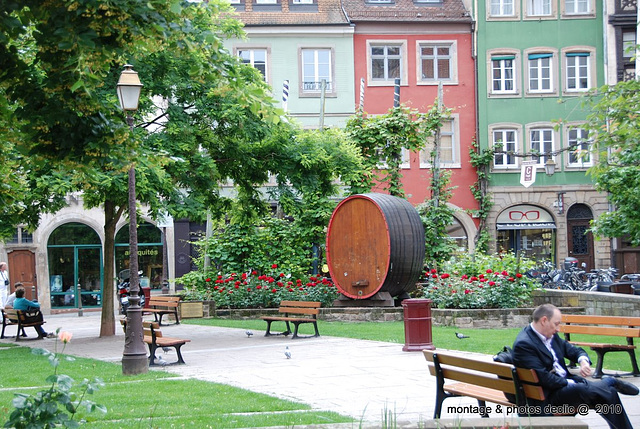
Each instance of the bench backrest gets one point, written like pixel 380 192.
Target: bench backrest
pixel 11 314
pixel 494 375
pixel 601 320
pixel 151 329
pixel 614 326
pixel 311 308
pixel 164 301
pixel 24 317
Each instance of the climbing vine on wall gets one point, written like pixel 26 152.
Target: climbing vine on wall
pixel 381 139
pixel 481 160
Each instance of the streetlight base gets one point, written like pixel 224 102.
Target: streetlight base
pixel 134 357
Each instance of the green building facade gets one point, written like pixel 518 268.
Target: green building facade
pixel 535 61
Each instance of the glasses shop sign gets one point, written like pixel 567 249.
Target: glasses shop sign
pixel 525 217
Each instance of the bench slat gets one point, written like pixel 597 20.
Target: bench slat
pixel 477 392
pixel 622 347
pixel 600 330
pixel 601 320
pixel 293 310
pixel 311 304
pixel 501 369
pixel 489 381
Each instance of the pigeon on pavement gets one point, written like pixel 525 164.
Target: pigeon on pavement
pixel 287 352
pixel 249 334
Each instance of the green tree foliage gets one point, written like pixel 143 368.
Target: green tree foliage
pixel 204 117
pixel 615 128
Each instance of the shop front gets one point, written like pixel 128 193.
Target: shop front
pixel 150 254
pixel 527 230
pixel 75 267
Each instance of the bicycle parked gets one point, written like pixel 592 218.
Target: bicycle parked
pixel 602 277
pixel 575 278
pixel 548 276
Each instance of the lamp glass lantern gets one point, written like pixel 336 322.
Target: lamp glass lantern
pixel 550 167
pixel 129 88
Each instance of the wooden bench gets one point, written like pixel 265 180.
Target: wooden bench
pixel 23 319
pixel 485 381
pixel 160 305
pixel 611 326
pixel 154 339
pixel 296 312
pixel 8 322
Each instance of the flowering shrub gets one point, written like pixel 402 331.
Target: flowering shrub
pixel 254 290
pixel 57 405
pixel 479 281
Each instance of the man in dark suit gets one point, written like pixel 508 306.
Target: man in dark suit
pixel 539 347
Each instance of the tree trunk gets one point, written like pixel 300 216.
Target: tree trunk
pixel 108 322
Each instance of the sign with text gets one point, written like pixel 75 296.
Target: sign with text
pixel 528 173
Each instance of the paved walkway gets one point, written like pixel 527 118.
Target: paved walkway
pixel 362 379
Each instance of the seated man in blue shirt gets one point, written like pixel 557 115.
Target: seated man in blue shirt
pixel 23 304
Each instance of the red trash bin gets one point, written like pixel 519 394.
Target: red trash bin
pixel 417 325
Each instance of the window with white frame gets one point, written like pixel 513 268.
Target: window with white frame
pixel 386 62
pixel 437 61
pixel 579 154
pixel 539 8
pixel 541 141
pixel 540 73
pixel 255 57
pixel 406 158
pixel 449 148
pixel 505 144
pixel 316 66
pixel 503 74
pixel 576 7
pixel 302 1
pixel 578 71
pixel 266 1
pixel 499 8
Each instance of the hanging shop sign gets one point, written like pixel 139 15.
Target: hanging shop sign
pixel 528 173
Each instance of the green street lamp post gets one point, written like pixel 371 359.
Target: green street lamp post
pixel 134 357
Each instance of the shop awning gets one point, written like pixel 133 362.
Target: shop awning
pixel 525 216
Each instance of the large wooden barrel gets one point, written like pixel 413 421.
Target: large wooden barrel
pixel 375 243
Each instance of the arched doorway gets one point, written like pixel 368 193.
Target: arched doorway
pixel 528 231
pixel 150 254
pixel 75 266
pixel 579 238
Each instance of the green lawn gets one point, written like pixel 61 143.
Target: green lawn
pixel 160 400
pixel 488 341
